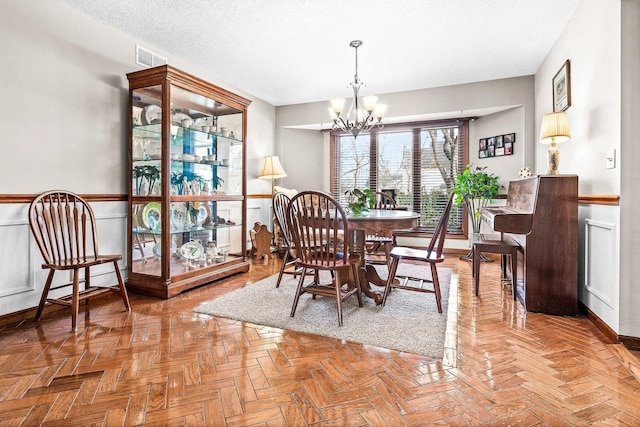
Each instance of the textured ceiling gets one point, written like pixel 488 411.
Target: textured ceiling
pixel 296 51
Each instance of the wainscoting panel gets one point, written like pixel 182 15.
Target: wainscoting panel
pixel 600 262
pixel 16 253
pixel 22 277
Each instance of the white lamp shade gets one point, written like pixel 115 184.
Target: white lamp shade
pixel 337 105
pixel 271 168
pixel 555 128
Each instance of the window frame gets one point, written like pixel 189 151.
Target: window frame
pixel 416 128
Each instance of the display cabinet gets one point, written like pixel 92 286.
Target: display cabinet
pixel 187 187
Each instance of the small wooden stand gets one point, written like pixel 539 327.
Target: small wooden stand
pixel 260 241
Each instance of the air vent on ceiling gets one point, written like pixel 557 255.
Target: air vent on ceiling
pixel 147 58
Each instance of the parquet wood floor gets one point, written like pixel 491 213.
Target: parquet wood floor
pixel 163 364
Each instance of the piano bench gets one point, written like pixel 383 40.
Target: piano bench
pixel 506 246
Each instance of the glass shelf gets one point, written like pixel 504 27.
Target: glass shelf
pixel 177 134
pixel 200 229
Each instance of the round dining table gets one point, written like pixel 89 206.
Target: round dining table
pixel 379 220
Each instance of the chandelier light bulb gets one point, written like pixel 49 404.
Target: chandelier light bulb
pixel 379 111
pixel 370 102
pixel 337 105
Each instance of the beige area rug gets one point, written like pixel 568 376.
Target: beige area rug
pixel 408 322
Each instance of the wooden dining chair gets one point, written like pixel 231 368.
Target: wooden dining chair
pixel 64 227
pixel 280 203
pixel 379 242
pixel 318 226
pixel 432 255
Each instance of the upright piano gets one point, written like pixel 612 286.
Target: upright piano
pixel 541 214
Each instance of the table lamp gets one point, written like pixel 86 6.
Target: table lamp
pixel 271 169
pixel 554 130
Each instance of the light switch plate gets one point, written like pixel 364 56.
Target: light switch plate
pixel 611 159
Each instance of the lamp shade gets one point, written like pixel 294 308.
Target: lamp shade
pixel 271 168
pixel 555 128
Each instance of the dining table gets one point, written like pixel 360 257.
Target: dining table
pixel 378 220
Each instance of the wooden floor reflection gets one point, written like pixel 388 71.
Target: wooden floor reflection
pixel 163 364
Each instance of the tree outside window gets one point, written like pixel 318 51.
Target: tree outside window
pixel 419 161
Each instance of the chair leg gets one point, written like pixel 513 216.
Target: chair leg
pixel 123 289
pixel 87 283
pixel 336 283
pixel 298 292
pixel 387 253
pixel 476 270
pixel 282 267
pixel 436 286
pixel 75 303
pixel 514 272
pixel 45 293
pixel 392 275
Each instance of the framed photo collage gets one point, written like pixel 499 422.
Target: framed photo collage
pixel 501 145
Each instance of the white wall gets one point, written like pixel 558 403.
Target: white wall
pixel 507 168
pixel 592 42
pixel 64 115
pixel 629 170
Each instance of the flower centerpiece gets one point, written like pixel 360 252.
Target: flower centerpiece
pixel 476 189
pixel 360 201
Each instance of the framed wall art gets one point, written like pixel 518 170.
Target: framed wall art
pixel 496 146
pixel 562 88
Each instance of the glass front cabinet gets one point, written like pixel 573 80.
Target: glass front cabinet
pixel 187 187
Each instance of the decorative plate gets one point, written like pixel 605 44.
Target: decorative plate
pixel 151 215
pixel 151 114
pixel 157 248
pixel 192 250
pixel 525 172
pixel 179 117
pixel 203 213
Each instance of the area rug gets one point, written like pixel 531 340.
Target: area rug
pixel 409 321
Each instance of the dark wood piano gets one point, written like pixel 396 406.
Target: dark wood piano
pixel 541 214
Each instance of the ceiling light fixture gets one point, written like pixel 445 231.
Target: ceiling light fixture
pixel 363 113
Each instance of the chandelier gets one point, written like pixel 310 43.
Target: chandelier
pixel 363 114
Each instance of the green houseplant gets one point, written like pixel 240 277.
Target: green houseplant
pixel 360 201
pixel 145 172
pixel 476 189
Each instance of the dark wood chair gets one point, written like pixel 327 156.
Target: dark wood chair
pixel 507 248
pixel 64 228
pixel 280 204
pixel 378 243
pixel 318 225
pixel 432 255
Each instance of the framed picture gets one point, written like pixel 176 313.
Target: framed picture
pixel 508 148
pixel 496 146
pixel 562 88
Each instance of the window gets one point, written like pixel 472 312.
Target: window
pixel 420 161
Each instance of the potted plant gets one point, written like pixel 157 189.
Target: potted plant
pixel 360 201
pixel 476 189
pixel 149 173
